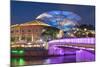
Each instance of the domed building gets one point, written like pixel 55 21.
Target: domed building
pixel 64 20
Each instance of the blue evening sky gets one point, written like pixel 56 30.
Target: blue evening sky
pixel 22 12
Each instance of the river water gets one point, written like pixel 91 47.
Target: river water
pixel 79 56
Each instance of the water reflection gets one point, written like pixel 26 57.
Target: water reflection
pixel 61 59
pixel 17 61
pixel 80 56
pixel 85 56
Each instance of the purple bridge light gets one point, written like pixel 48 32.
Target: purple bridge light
pixel 73 40
pixel 55 50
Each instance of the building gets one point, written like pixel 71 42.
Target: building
pixel 27 32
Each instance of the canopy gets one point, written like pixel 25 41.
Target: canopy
pixel 63 20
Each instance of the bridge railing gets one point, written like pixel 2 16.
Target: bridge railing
pixel 54 50
pixel 73 40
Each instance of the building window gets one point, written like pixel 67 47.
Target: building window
pixel 29 30
pixel 17 31
pixel 17 38
pixel 23 37
pixel 23 31
pixel 12 39
pixel 12 31
pixel 29 38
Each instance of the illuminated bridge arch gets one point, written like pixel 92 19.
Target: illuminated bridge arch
pixel 55 50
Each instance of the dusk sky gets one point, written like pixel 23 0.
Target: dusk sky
pixel 22 12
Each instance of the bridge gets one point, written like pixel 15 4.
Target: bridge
pixel 71 46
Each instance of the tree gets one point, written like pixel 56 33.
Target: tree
pixel 50 33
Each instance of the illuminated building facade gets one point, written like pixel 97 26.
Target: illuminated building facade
pixel 27 32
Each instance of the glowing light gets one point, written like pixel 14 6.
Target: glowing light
pixel 55 50
pixel 17 51
pixel 74 40
pixel 14 51
pixel 93 32
pixel 44 15
pixel 29 45
pixel 85 29
pixel 22 45
pixel 90 49
pixel 60 34
pixel 44 44
pixel 21 61
pixel 77 29
pixel 13 45
pixel 21 51
pixel 72 35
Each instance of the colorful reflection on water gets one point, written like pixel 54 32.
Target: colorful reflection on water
pixel 17 61
pixel 80 56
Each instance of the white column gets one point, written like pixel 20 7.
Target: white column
pixel 32 38
pixel 20 37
